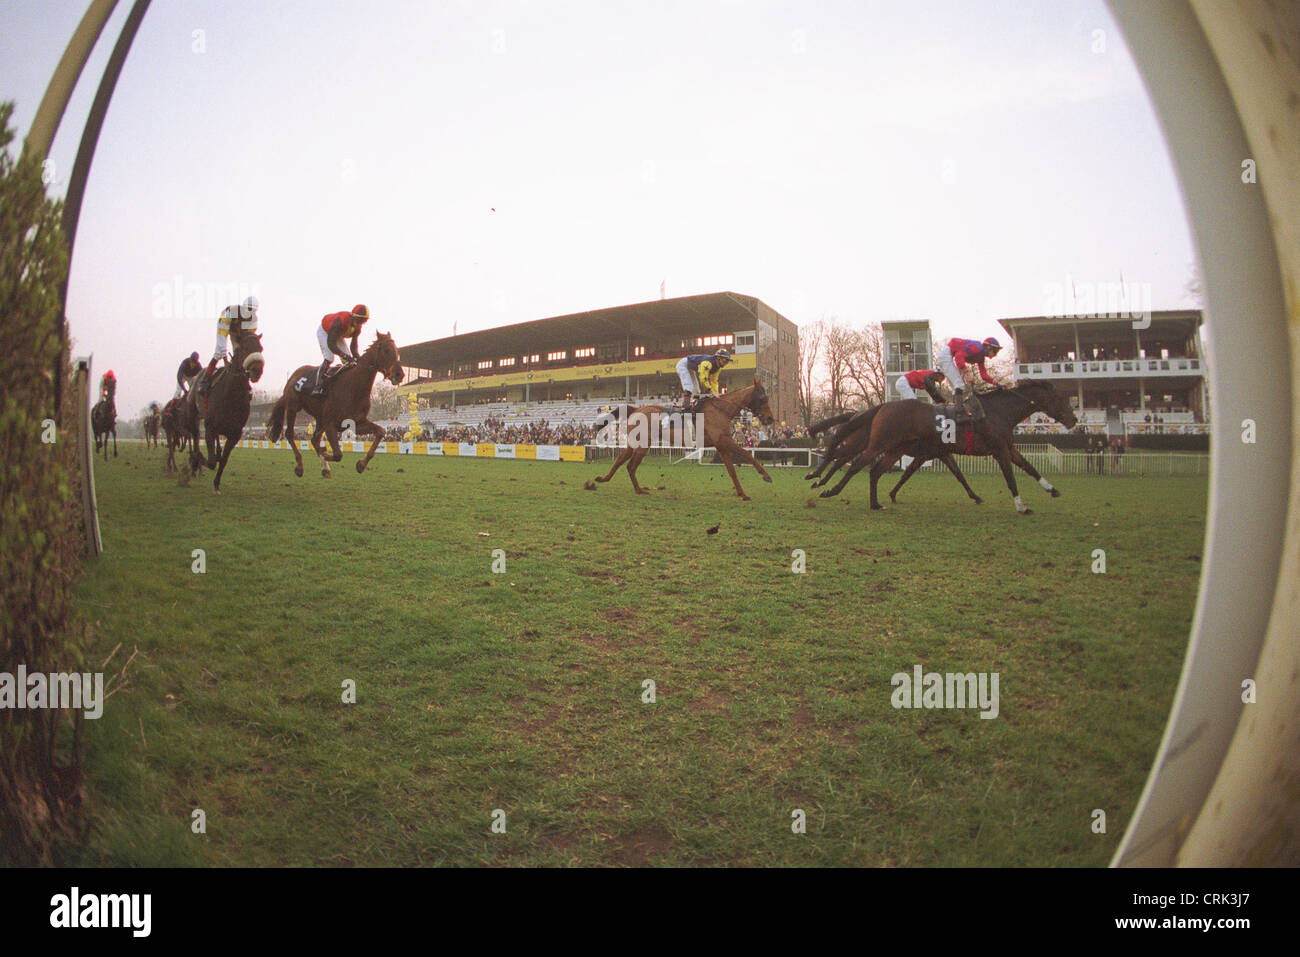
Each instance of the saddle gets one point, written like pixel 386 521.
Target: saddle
pixel 306 384
pixel 958 414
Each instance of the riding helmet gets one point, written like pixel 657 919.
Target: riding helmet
pixel 991 343
pixel 723 353
pixel 360 312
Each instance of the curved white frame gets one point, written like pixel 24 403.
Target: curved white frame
pixel 1249 483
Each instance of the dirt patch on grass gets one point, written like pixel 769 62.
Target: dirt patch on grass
pixel 640 847
pixel 712 701
pixel 618 614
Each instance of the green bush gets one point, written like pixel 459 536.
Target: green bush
pixel 41 791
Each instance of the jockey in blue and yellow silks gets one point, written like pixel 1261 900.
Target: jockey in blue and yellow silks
pixel 699 375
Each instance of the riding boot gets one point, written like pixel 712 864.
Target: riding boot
pixel 320 378
pixel 959 402
pixel 976 408
pixel 208 373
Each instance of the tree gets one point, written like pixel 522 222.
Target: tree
pixel 865 367
pixel 385 403
pixel 812 338
pixel 840 344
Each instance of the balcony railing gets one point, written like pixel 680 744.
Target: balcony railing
pixel 1110 368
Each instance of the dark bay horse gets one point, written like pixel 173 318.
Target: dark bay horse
pixel 346 397
pixel 223 413
pixel 923 431
pixel 717 412
pixel 172 422
pixel 851 437
pixel 103 418
pixel 151 426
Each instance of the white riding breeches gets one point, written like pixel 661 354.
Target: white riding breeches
pixel 323 338
pixel 905 390
pixel 689 382
pixel 944 362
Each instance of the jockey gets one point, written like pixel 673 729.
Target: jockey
pixel 699 375
pixel 333 331
pixel 953 357
pixel 234 320
pixel 107 383
pixel 185 373
pixel 917 379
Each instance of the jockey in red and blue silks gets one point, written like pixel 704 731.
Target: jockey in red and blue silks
pixel 956 354
pixel 927 379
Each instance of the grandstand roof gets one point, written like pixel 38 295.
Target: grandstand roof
pixel 1036 329
pixel 717 312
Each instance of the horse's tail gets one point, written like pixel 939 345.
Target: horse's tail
pixel 824 424
pixel 275 424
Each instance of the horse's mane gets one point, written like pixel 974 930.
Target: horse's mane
pixel 379 337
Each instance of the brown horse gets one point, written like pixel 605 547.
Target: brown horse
pixel 717 413
pixel 851 437
pixel 346 397
pixel 103 418
pixel 924 431
pixel 173 427
pixel 151 426
pixel 225 409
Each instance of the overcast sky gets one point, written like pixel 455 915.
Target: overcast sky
pixel 483 163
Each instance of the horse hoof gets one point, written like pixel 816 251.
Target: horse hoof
pixel 361 467
pixel 827 494
pixel 324 473
pixel 1028 511
pixel 298 471
pixel 1055 493
pixel 979 501
pixel 877 508
pixel 767 478
pixel 745 498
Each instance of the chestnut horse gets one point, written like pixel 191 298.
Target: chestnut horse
pixel 716 412
pixel 346 397
pixel 923 431
pixel 225 408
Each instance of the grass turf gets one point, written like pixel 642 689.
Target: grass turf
pixel 523 691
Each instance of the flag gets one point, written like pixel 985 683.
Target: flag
pixel 661 288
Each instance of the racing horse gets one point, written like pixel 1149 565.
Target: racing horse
pixel 851 437
pixel 172 423
pixel 717 412
pixel 151 426
pixel 918 429
pixel 103 417
pixel 347 396
pixel 223 413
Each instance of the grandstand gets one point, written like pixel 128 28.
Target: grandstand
pixel 1122 380
pixel 566 369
